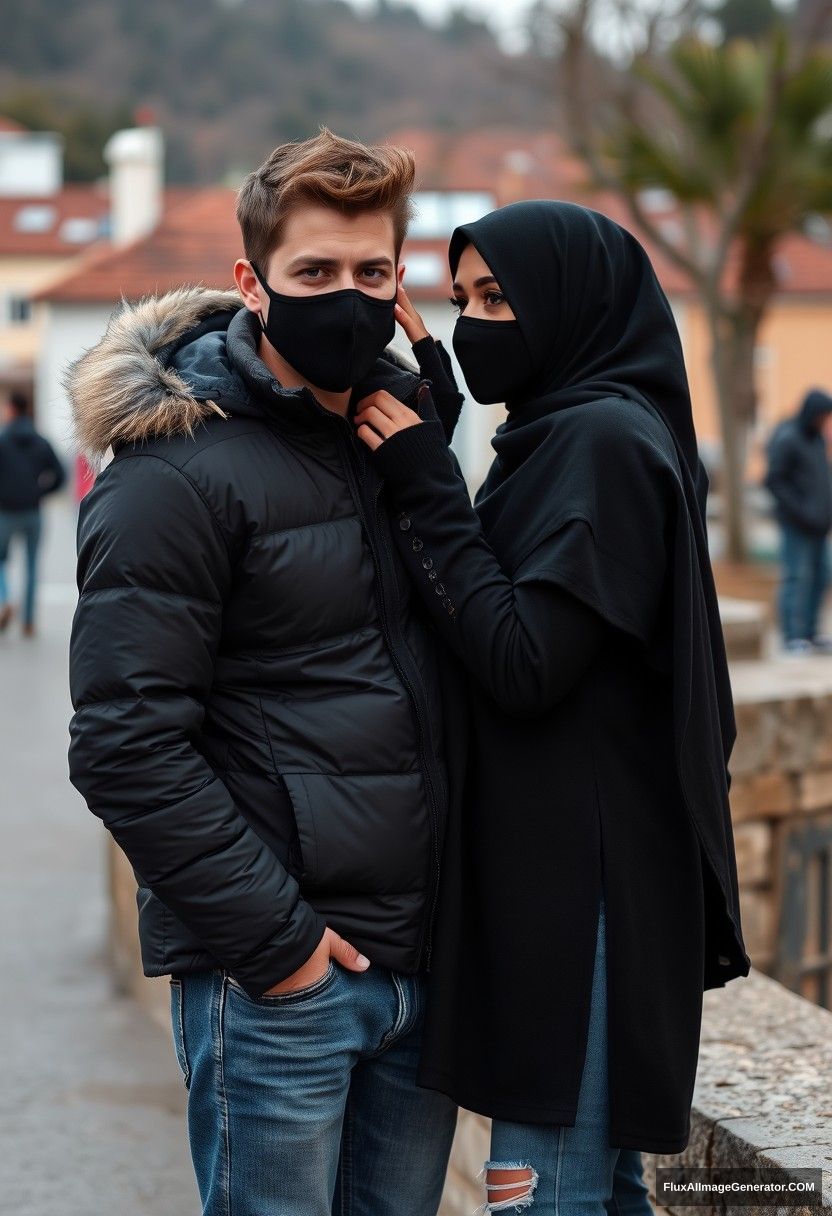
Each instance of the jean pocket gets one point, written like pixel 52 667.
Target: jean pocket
pixel 178 1027
pixel 296 997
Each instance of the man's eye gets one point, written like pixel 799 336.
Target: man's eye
pixel 374 272
pixel 312 272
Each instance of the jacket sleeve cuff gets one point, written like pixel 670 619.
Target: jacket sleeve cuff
pixel 428 354
pixel 281 956
pixel 403 457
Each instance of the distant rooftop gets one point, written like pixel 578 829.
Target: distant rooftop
pixel 459 178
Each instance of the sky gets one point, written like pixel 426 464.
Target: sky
pixel 505 16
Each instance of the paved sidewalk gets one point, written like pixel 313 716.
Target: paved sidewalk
pixel 92 1106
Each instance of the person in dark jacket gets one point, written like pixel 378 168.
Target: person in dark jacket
pixel 590 889
pixel 259 702
pixel 800 480
pixel 29 470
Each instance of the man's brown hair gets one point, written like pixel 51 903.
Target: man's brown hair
pixel 330 171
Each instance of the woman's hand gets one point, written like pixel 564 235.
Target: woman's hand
pixel 380 415
pixel 408 317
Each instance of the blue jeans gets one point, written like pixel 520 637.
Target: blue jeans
pixel 25 524
pixel 305 1103
pixel 575 1171
pixel 804 576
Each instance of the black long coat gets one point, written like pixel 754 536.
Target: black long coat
pixel 574 782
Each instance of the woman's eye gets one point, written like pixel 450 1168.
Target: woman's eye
pixel 455 302
pixel 494 297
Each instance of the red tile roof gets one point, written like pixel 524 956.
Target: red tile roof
pixel 74 202
pixel 514 164
pixel 198 241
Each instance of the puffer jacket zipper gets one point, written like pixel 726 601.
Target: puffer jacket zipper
pixel 402 661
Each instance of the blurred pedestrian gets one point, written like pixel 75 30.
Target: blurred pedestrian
pixel 29 470
pixel 800 479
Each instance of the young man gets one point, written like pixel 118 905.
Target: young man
pixel 29 470
pixel 258 701
pixel 800 480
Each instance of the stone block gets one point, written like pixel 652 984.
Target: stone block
pixel 815 790
pixel 762 796
pixel 758 924
pixel 823 747
pixel 757 730
pixel 799 731
pixel 753 845
pixel 744 626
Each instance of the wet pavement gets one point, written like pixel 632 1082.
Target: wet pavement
pixel 92 1106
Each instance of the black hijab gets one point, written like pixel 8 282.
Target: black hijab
pixel 603 433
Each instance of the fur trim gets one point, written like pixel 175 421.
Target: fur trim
pixel 401 358
pixel 119 390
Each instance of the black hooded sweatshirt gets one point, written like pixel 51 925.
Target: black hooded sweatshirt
pixel 798 468
pixel 579 595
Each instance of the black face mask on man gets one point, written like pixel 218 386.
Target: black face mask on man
pixel 494 358
pixel 332 338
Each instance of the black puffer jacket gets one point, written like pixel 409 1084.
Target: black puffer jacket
pixel 258 706
pixel 798 473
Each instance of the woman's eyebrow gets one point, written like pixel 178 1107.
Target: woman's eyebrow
pixel 486 278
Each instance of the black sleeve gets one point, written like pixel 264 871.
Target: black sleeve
pixel 527 642
pixel 52 474
pixel 779 481
pixel 435 365
pixel 154 570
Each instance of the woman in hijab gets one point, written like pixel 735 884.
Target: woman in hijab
pixel 590 891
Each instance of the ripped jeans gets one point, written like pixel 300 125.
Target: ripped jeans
pixel 570 1171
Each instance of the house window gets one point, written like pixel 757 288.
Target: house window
pixel 20 310
pixel 438 212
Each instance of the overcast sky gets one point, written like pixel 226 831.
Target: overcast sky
pixel 506 16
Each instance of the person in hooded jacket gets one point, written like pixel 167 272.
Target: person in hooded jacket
pixel 589 892
pixel 29 471
pixel 800 481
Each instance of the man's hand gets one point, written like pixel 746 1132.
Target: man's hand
pixel 330 946
pixel 408 317
pixel 380 415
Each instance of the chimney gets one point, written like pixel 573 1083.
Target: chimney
pixel 135 158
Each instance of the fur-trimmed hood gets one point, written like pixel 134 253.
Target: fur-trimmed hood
pixel 121 390
pixel 127 387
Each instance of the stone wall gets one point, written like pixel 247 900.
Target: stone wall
pixel 781 789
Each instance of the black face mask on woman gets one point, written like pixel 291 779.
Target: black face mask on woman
pixel 494 358
pixel 331 339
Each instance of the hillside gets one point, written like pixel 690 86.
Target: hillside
pixel 227 79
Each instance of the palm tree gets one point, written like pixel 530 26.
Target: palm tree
pixel 740 135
